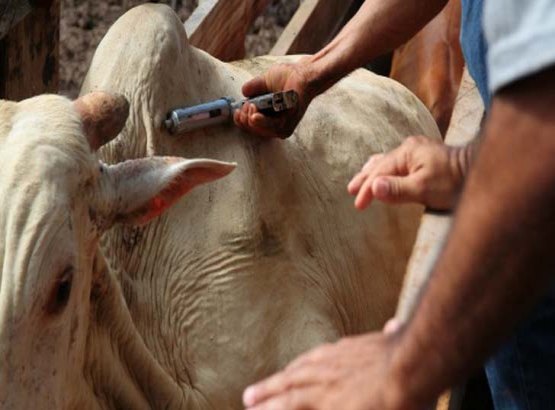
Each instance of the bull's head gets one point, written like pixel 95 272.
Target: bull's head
pixel 56 201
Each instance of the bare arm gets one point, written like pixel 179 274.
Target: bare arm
pixel 378 27
pixel 499 257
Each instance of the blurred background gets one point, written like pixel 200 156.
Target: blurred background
pixel 84 23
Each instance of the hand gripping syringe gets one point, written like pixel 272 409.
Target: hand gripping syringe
pixel 221 111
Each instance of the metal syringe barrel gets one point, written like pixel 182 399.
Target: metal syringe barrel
pixel 188 119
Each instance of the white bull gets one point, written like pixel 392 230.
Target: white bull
pixel 228 285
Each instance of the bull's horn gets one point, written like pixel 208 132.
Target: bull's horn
pixel 103 116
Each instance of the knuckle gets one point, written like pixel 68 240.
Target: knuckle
pixel 420 186
pixel 414 140
pixel 394 188
pixel 410 141
pixel 344 343
pixel 321 352
pixel 298 400
pixel 373 159
pixel 283 380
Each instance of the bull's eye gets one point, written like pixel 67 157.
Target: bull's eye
pixel 60 293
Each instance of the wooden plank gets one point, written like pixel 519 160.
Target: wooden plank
pixel 29 57
pixel 220 27
pixel 465 126
pixel 467 115
pixel 314 24
pixel 11 13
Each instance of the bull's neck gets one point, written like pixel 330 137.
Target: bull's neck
pixel 118 364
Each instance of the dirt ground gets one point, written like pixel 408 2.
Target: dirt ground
pixel 84 23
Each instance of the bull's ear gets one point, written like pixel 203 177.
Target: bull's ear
pixel 137 191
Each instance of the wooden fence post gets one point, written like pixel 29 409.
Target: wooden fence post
pixel 465 126
pixel 314 24
pixel 29 54
pixel 219 27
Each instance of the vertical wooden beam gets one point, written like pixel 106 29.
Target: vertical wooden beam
pixel 220 27
pixel 29 54
pixel 11 13
pixel 434 227
pixel 3 69
pixel 314 24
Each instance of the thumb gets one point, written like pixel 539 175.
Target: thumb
pixel 254 87
pixel 397 189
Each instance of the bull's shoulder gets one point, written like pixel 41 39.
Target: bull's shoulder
pixel 7 111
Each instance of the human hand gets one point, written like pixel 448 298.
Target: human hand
pixel 354 373
pixel 419 170
pixel 281 77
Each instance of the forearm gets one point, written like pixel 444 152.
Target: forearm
pixel 498 259
pixel 379 27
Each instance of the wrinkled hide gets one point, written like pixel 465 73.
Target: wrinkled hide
pixel 246 273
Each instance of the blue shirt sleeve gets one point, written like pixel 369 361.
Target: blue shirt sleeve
pixel 474 45
pixel 521 39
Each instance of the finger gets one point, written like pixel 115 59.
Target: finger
pixel 296 399
pixel 254 87
pixel 258 120
pixel 394 189
pixel 390 164
pixel 286 380
pixel 373 161
pixel 357 181
pixel 236 118
pixel 241 118
pixel 318 356
pixel 244 115
pixel 273 127
pixel 392 326
pixel 260 125
pixel 238 121
pixel 252 110
pixel 245 109
pixel 354 185
pixel 365 194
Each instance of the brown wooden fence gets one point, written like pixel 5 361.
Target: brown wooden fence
pixel 29 36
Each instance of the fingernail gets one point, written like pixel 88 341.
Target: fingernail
pixel 381 188
pixel 249 396
pixel 256 118
pixel 391 326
